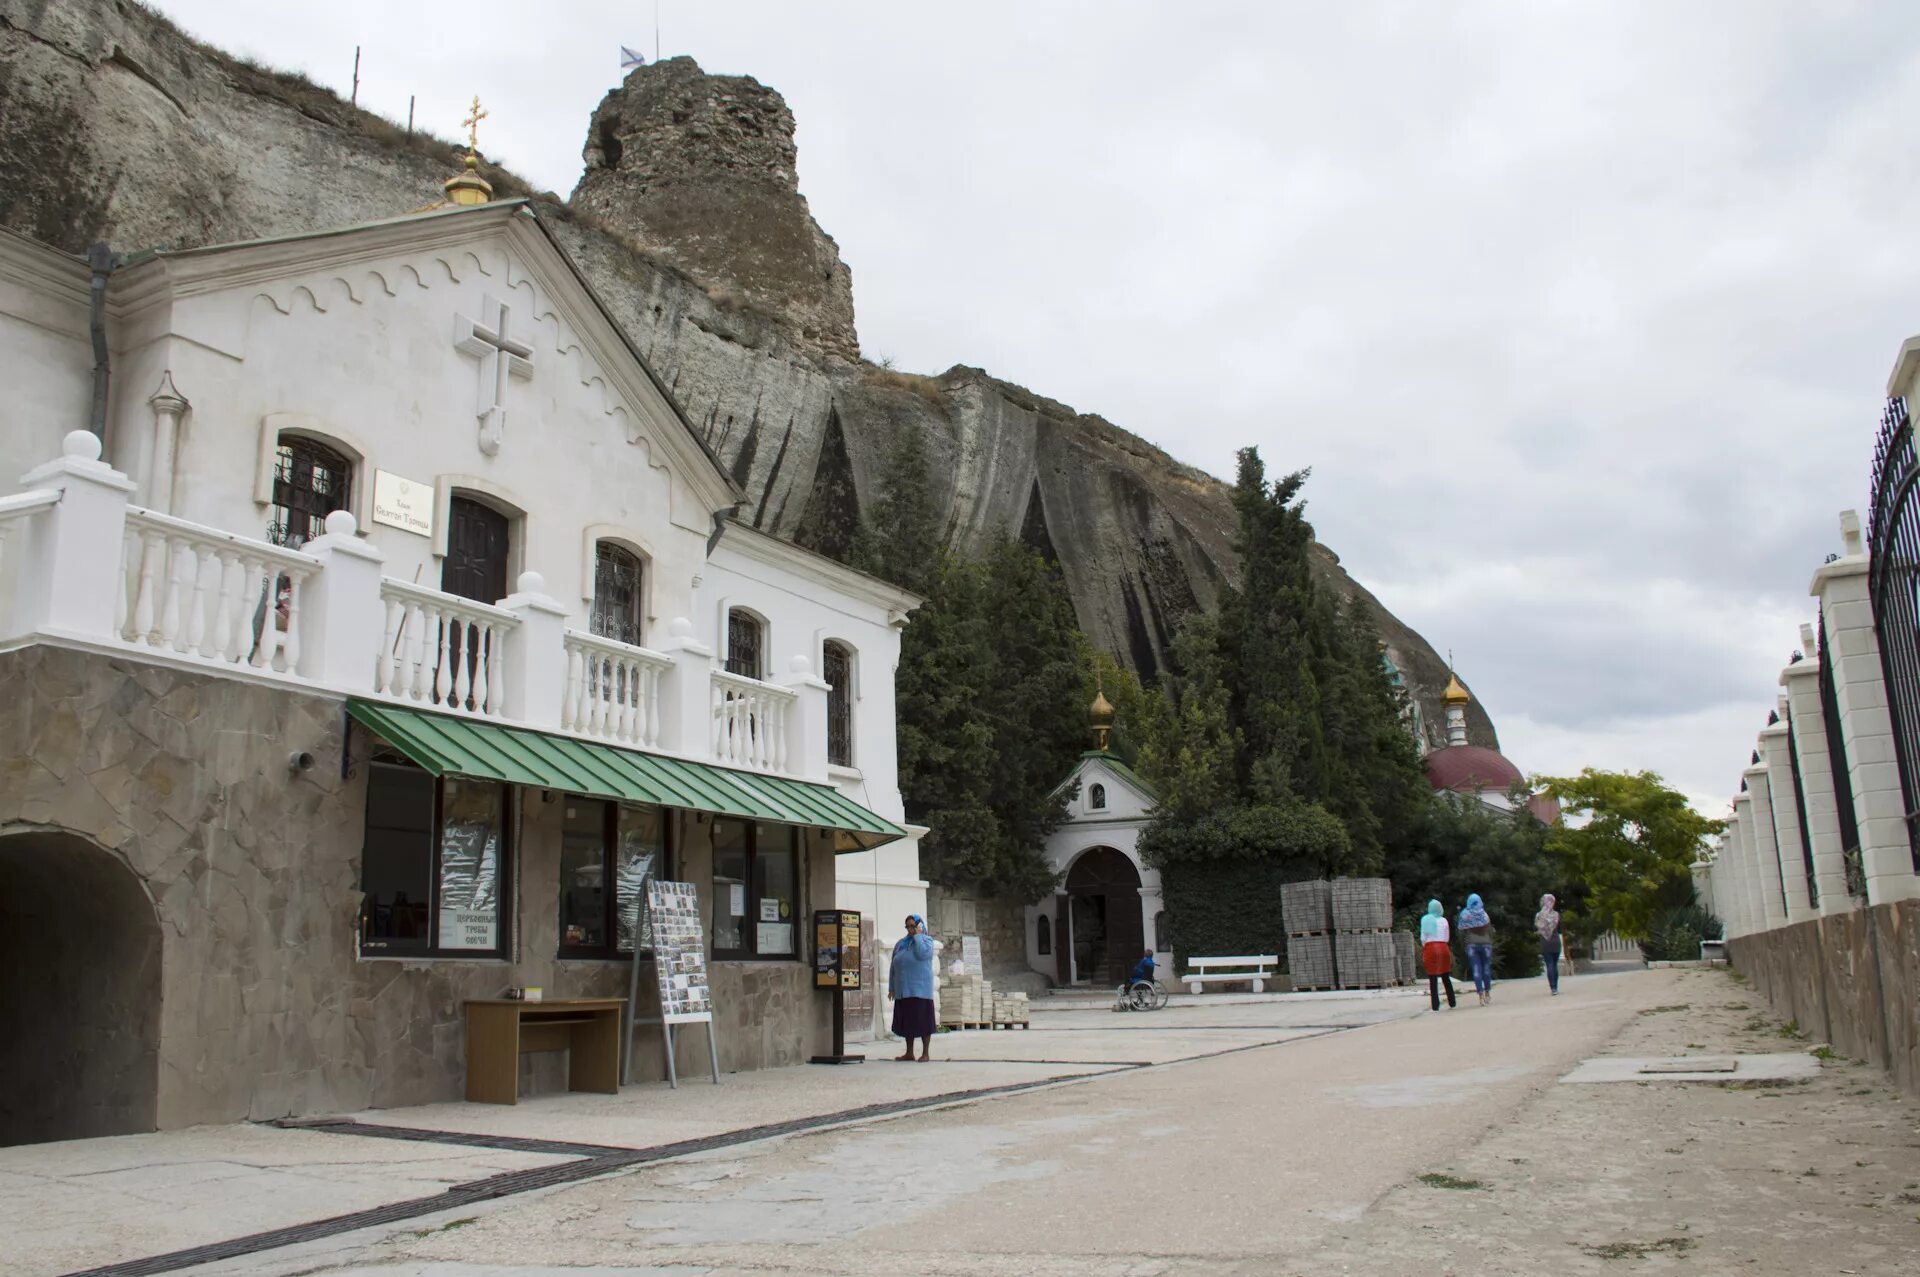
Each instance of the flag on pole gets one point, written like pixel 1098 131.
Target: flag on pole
pixel 628 58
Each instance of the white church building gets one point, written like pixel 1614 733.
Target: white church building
pixel 1109 908
pixel 374 626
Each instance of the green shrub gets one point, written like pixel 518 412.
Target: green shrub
pixel 1516 954
pixel 1675 935
pixel 1229 906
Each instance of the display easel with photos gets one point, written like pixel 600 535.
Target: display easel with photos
pixel 680 967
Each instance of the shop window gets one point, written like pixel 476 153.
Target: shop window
pixel 1043 935
pixel 745 640
pixel 1097 798
pixel 601 843
pixel 836 668
pixel 756 889
pixel 434 864
pixel 310 482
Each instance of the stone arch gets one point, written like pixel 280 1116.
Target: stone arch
pixel 80 943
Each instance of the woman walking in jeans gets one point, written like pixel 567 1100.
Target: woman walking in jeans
pixel 1476 931
pixel 1547 923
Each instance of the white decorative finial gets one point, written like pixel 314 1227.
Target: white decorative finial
pixel 1807 642
pixel 680 627
pixel 82 445
pixel 341 523
pixel 1850 533
pixel 531 583
pixel 799 664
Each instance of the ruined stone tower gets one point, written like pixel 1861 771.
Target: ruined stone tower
pixel 700 169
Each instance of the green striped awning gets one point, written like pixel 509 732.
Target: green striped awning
pixel 449 746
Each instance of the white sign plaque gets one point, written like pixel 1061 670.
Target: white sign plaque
pixel 406 504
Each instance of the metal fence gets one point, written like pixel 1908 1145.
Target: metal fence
pixel 1800 805
pixel 1893 544
pixel 1837 760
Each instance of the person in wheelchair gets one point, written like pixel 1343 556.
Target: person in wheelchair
pixel 1142 972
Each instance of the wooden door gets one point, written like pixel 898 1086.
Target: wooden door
pixel 476 562
pixel 475 568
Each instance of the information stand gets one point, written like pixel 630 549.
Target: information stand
pixel 680 966
pixel 836 966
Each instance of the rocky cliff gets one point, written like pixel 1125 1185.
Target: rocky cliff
pixel 688 219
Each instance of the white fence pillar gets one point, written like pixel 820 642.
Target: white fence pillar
pixel 686 692
pixel 535 654
pixel 807 722
pixel 1753 913
pixel 1853 648
pixel 1766 847
pixel 1776 755
pixel 343 618
pixel 1809 724
pixel 70 579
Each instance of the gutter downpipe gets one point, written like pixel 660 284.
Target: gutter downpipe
pixel 101 259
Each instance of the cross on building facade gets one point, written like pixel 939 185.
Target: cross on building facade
pixel 502 357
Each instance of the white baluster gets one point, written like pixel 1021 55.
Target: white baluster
pixel 175 588
pixel 442 628
pixel 146 610
pixel 213 643
pixel 570 697
pixel 422 649
pixel 260 604
pixel 291 646
pixel 496 672
pixel 195 637
pixel 779 734
pixel 127 566
pixel 383 659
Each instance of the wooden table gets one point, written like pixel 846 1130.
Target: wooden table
pixel 501 1030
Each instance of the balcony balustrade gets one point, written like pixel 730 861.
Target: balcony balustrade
pixel 80 565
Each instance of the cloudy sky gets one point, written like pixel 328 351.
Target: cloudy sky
pixel 1581 314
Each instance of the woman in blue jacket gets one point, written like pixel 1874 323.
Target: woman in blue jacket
pixel 911 987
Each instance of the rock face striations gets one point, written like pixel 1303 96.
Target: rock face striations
pixel 690 224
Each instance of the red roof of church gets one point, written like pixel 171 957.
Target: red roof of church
pixel 1545 808
pixel 1470 769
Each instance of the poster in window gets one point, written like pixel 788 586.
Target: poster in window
pixel 469 883
pixel 679 951
pixel 775 937
pixel 737 899
pixel 769 910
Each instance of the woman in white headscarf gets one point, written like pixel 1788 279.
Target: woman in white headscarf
pixel 1547 923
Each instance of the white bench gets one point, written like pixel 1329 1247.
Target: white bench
pixel 1208 970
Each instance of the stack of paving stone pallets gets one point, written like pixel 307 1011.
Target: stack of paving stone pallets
pixel 966 1002
pixel 1363 944
pixel 1010 1009
pixel 1406 957
pixel 1306 910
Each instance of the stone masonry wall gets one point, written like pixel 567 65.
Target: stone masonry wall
pixel 1850 979
pixel 1001 927
pixel 264 1009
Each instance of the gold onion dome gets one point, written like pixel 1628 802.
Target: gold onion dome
pixel 1100 714
pixel 1455 694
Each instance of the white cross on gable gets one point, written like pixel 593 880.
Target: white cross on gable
pixel 501 357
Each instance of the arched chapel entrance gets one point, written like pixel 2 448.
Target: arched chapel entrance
pixel 80 1021
pixel 1101 910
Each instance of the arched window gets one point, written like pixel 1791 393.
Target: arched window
pixel 1097 797
pixel 310 482
pixel 619 599
pixel 1043 936
pixel 836 667
pixel 745 644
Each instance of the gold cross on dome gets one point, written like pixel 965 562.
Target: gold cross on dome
pixel 472 125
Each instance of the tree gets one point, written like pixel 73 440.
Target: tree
pixel 900 541
pixel 1454 847
pixel 1627 847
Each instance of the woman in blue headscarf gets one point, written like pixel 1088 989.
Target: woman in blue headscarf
pixel 1436 953
pixel 911 987
pixel 1476 931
